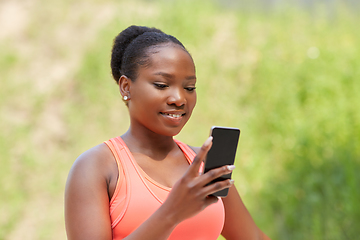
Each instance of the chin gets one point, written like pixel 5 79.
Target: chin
pixel 171 132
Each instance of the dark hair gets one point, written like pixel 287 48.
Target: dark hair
pixel 130 49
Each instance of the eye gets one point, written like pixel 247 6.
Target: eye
pixel 160 85
pixel 190 89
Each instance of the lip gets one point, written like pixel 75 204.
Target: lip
pixel 173 117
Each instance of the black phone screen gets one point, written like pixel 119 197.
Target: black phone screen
pixel 222 152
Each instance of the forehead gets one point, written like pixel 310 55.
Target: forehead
pixel 170 57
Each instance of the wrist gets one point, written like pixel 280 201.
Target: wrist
pixel 168 216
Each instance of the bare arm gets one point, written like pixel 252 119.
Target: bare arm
pixel 238 221
pixel 87 201
pixel 86 198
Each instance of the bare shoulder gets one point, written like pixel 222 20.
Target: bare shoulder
pixel 98 159
pixel 95 168
pixel 98 153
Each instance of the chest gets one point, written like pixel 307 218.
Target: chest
pixel 138 197
pixel 165 171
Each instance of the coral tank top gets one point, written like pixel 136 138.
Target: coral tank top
pixel 137 196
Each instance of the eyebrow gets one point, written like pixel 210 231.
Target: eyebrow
pixel 168 75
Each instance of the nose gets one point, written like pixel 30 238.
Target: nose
pixel 177 97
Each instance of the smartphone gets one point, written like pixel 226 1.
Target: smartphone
pixel 222 152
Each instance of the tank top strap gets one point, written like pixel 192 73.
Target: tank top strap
pixel 114 148
pixel 117 148
pixel 189 153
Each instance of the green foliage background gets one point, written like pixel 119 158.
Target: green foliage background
pixel 288 78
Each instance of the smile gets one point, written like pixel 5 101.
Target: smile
pixel 173 115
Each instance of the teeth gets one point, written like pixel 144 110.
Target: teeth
pixel 173 115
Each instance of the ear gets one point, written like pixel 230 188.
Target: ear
pixel 124 85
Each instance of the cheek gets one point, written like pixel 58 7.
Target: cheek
pixel 144 93
pixel 192 101
pixel 146 101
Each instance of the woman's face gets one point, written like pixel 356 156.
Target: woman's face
pixel 163 95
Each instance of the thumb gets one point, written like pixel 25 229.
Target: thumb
pixel 201 154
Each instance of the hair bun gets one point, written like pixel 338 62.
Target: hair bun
pixel 121 42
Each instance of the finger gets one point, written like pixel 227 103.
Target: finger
pixel 214 174
pixel 217 186
pixel 202 154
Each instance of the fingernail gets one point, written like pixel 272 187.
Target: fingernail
pixel 230 167
pixel 231 181
pixel 208 141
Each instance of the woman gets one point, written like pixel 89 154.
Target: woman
pixel 145 184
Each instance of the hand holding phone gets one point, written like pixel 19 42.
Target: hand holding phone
pixel 222 152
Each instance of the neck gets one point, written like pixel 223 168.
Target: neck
pixel 147 142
